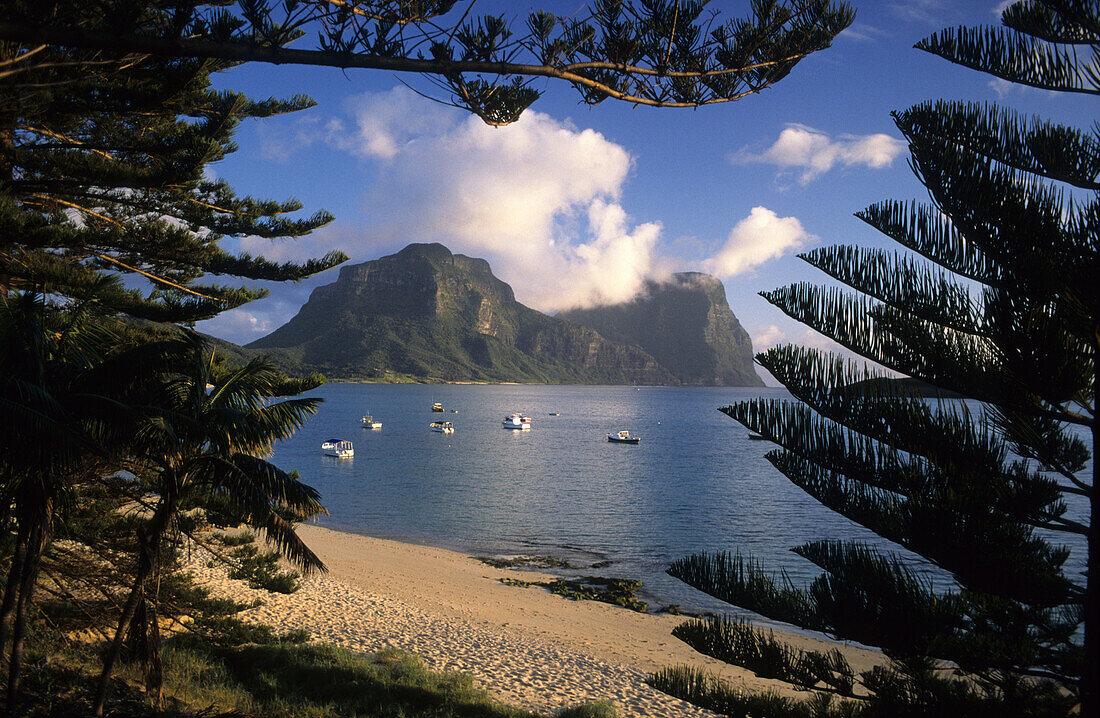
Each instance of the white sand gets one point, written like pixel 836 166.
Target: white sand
pixel 525 646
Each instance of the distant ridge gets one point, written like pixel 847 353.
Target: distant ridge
pixel 429 314
pixel 686 324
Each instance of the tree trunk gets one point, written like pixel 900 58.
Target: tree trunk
pixel 36 544
pixel 1090 676
pixel 11 592
pixel 154 667
pixel 148 547
pixel 109 659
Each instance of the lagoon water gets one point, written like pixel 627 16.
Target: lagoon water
pixel 696 482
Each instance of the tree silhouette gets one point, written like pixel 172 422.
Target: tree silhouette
pixel 201 443
pixel 995 298
pixel 663 53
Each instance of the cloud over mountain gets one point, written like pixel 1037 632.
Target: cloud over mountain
pixel 540 199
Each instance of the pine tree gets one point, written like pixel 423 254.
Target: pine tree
pixel 994 296
pixel 102 188
pixel 662 53
pixel 101 174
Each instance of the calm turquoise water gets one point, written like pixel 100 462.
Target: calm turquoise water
pixel 695 482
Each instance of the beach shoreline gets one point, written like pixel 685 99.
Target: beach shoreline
pixel 524 645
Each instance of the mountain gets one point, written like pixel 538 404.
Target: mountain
pixel 686 325
pixel 428 313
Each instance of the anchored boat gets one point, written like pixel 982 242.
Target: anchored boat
pixel 516 421
pixel 339 448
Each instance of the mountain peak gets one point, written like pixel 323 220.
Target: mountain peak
pixel 430 313
pixel 686 324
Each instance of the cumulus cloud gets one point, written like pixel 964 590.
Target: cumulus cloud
pixel 761 236
pixel 538 198
pixel 814 152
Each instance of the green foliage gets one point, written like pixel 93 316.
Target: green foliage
pixel 261 570
pixel 102 157
pixel 242 538
pixel 599 709
pixel 663 54
pixel 993 299
pixel 258 673
pixel 704 690
pixel 736 642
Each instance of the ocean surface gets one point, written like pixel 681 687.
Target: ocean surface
pixel 696 482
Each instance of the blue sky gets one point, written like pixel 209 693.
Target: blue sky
pixel 578 205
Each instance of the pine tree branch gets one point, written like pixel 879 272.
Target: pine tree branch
pixel 241 52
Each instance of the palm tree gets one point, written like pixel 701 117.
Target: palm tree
pixel 202 442
pixel 56 426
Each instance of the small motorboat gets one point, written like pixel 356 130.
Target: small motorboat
pixel 339 448
pixel 758 437
pixel 437 407
pixel 369 422
pixel 443 427
pixel 555 413
pixel 623 437
pixel 516 421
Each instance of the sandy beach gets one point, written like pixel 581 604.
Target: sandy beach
pixel 524 645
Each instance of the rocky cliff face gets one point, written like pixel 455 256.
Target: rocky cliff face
pixel 686 325
pixel 427 312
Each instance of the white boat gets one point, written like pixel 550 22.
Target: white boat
pixel 516 421
pixel 339 448
pixel 443 427
pixel 437 406
pixel 369 422
pixel 623 437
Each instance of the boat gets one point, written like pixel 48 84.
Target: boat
pixel 437 407
pixel 758 437
pixel 369 422
pixel 339 448
pixel 443 427
pixel 623 437
pixel 555 413
pixel 516 421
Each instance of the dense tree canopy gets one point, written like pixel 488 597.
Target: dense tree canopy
pixel 665 53
pixel 994 296
pixel 102 174
pixel 108 126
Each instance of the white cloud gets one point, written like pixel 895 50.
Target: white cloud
pixel 761 236
pixel 766 337
pixel 239 326
pixel 536 198
pixel 385 122
pixel 814 152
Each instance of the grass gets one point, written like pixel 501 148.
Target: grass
pixel 280 678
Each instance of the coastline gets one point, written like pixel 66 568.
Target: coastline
pixel 524 645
